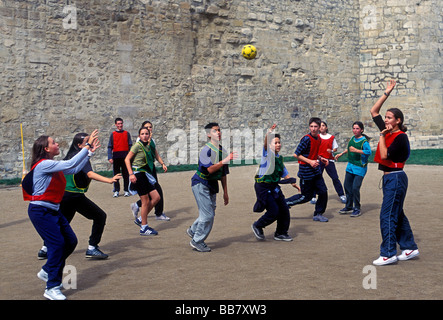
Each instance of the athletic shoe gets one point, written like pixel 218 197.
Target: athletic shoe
pixel 42 275
pixel 408 254
pixel 135 209
pixel 345 211
pixel 355 213
pixel 115 194
pixel 320 218
pixel 343 199
pixel 381 261
pixel 200 247
pixel 138 222
pixel 313 200
pixel 189 232
pixel 258 232
pixel 282 237
pixel 54 294
pixel 162 217
pixel 96 253
pixel 148 231
pixel 42 255
pixel 126 194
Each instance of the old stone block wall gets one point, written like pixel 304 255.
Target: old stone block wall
pixel 402 40
pixel 72 66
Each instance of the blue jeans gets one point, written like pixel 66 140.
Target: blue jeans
pixel 206 202
pixel 58 237
pixel 332 173
pixel 309 188
pixel 352 187
pixel 394 225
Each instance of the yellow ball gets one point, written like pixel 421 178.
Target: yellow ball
pixel 249 51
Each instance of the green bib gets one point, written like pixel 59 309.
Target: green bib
pixel 354 157
pixel 275 176
pixel 216 156
pixel 78 183
pixel 149 156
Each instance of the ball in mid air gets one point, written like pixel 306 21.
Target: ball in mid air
pixel 249 51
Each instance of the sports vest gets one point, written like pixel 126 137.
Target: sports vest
pixel 216 156
pixel 354 157
pixel 389 138
pixel 120 141
pixel 150 158
pixel 78 182
pixel 272 177
pixel 53 193
pixel 313 151
pixel 324 146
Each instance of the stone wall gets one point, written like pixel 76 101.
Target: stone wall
pixel 402 40
pixel 72 66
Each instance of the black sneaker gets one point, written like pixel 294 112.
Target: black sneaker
pixel 282 237
pixel 42 255
pixel 356 213
pixel 345 211
pixel 96 254
pixel 258 232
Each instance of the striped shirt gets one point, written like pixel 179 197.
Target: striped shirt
pixel 306 171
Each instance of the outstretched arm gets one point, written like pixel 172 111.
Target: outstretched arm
pixel 95 176
pixel 375 110
pixel 265 143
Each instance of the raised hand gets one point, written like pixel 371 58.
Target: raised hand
pixel 390 86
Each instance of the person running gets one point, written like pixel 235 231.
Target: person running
pixel 311 179
pixel 328 146
pixel 159 207
pixel 392 152
pixel 140 164
pixel 44 187
pixel 213 166
pixel 358 152
pixel 269 195
pixel 74 200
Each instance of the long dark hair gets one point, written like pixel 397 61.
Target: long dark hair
pixel 38 150
pixel 362 127
pixel 398 115
pixel 74 148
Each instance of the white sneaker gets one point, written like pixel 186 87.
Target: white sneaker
pixel 54 294
pixel 343 199
pixel 126 194
pixel 135 209
pixel 381 261
pixel 408 254
pixel 43 275
pixel 162 217
pixel 313 200
pixel 115 194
